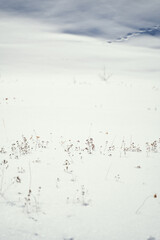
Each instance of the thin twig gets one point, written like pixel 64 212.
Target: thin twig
pixel 108 170
pixel 145 200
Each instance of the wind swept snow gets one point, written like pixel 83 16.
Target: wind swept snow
pixel 79 137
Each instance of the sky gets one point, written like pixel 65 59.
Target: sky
pixel 107 19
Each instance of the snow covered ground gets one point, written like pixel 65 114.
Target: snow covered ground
pixel 79 136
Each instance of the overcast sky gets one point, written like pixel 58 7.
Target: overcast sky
pixel 98 18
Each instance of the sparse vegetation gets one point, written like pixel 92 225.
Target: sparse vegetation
pixel 73 150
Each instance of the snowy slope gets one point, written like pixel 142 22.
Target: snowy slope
pixel 79 143
pixel 108 19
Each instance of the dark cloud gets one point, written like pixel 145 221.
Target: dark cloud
pixel 101 18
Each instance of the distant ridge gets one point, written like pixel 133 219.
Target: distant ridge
pixel 153 31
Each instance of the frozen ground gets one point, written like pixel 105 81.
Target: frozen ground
pixel 80 136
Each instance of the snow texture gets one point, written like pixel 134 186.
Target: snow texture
pixel 79 136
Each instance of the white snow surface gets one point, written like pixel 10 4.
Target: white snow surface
pixel 79 136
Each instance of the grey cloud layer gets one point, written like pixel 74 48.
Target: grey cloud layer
pixel 102 18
